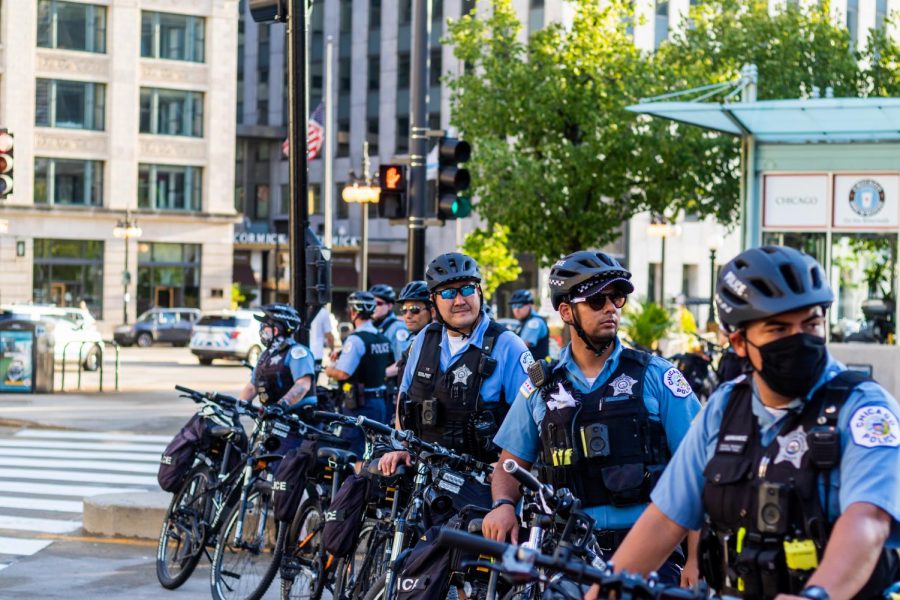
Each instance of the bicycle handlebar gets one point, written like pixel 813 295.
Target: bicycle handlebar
pixel 523 476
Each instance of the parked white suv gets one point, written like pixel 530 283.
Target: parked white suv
pixel 74 331
pixel 228 334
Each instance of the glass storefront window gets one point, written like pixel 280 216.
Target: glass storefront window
pixel 71 26
pixel 168 187
pixel 168 275
pixel 69 273
pixel 813 244
pixel 68 182
pixel 172 37
pixel 70 104
pixel 171 112
pixel 863 273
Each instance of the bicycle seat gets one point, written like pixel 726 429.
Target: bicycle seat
pixel 336 455
pixel 475 526
pixel 219 431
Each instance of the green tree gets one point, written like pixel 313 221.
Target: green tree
pixel 646 322
pixel 490 249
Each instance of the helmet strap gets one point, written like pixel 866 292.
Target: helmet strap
pixel 596 349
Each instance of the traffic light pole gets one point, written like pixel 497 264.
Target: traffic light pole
pixel 299 175
pixel 418 141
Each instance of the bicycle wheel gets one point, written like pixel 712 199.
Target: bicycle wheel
pixel 184 531
pixel 357 572
pixel 304 565
pixel 244 566
pixel 378 589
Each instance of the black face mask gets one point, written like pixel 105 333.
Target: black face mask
pixel 792 365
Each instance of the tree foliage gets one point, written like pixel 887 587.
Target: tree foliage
pixel 558 158
pixel 646 322
pixel 490 249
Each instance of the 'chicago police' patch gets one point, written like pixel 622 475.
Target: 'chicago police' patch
pixel 298 352
pixel 525 360
pixel 677 384
pixel 533 324
pixel 874 426
pixel 402 335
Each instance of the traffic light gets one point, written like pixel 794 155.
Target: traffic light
pixel 392 198
pixel 453 181
pixel 269 11
pixel 7 141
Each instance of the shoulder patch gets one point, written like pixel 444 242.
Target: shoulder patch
pixel 533 324
pixel 299 351
pixel 525 360
pixel 874 427
pixel 527 389
pixel 348 346
pixel 677 384
pixel 402 335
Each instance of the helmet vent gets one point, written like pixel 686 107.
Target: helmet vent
pixel 740 263
pixel 790 276
pixel 816 275
pixel 731 297
pixel 763 287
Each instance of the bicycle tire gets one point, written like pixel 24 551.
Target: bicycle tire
pixel 240 579
pixel 356 572
pixel 378 589
pixel 186 524
pixel 303 571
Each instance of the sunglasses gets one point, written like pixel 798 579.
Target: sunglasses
pixel 516 305
pixel 413 310
pixel 598 301
pixel 380 303
pixel 450 293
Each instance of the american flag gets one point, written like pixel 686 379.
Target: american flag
pixel 315 134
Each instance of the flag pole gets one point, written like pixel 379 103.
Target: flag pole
pixel 328 157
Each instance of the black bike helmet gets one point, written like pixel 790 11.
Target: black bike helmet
pixel 521 297
pixel 583 273
pixel 362 302
pixel 762 282
pixel 283 315
pixel 450 267
pixel 384 292
pixel 415 291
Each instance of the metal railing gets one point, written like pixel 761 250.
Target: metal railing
pixel 101 348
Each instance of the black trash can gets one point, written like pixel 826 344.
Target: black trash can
pixel 26 356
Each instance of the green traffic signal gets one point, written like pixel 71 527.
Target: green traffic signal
pixel 462 207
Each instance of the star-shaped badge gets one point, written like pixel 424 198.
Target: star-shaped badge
pixel 791 447
pixel 622 384
pixel 461 375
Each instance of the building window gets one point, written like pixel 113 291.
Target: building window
pixel 881 11
pixel 372 135
pixel 71 26
pixel 171 112
pixel 402 134
pixel 169 187
pixel 853 21
pixel 374 15
pixel 405 12
pixel 168 275
pixel 68 182
pixel 434 71
pixel 172 37
pixel 70 104
pixel 661 26
pixel 403 70
pixel 535 16
pixel 69 272
pixel 261 205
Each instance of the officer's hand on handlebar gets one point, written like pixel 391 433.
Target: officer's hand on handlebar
pixel 500 523
pixel 389 462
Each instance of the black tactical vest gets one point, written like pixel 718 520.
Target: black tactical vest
pixel 603 446
pixel 369 372
pixel 446 407
pixel 766 526
pixel 273 375
pixel 541 349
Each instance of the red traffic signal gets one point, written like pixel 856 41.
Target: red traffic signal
pixel 7 143
pixel 392 198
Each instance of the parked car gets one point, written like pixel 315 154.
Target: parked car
pixel 228 334
pixel 159 325
pixel 75 331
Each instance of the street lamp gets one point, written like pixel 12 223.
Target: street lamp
pixel 126 229
pixel 662 230
pixel 714 243
pixel 362 192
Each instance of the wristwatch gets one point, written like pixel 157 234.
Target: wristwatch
pixel 501 502
pixel 816 592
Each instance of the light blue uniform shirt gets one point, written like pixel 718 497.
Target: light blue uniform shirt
pixel 510 352
pixel 533 330
pixel 353 351
pixel 870 463
pixel 301 362
pixel 520 432
pixel 397 333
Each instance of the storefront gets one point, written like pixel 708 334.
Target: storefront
pixel 168 275
pixel 69 273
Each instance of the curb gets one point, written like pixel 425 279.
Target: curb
pixel 136 515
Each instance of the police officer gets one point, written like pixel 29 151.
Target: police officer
pixel 792 470
pixel 386 321
pixel 417 312
pixel 602 421
pixel 463 369
pixel 285 370
pixel 532 327
pixel 364 357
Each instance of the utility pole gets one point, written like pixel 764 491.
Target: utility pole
pixel 418 140
pixel 297 35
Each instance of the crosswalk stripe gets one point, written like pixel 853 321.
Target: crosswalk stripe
pixel 75 506
pixel 44 475
pixel 49 489
pixel 112 456
pixel 37 525
pixel 21 547
pixel 88 465
pixel 112 447
pixel 91 435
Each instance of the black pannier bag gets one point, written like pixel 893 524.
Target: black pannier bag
pixel 343 519
pixel 290 480
pixel 177 458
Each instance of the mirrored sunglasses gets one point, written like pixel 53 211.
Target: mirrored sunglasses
pixel 413 310
pixel 450 293
pixel 516 305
